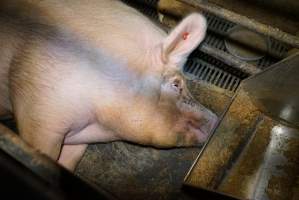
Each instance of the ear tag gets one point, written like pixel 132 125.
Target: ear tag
pixel 185 35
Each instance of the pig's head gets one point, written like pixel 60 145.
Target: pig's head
pixel 188 121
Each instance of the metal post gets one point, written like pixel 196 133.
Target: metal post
pixel 229 59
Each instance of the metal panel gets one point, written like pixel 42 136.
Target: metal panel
pixel 276 92
pixel 253 153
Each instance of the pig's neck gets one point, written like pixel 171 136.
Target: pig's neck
pixel 141 55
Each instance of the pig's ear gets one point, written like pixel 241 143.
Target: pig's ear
pixel 184 39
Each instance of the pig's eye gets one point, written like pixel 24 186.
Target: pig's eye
pixel 172 86
pixel 176 84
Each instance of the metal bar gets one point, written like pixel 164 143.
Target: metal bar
pixel 214 75
pixel 244 21
pixel 236 85
pixel 229 59
pixel 217 81
pixel 210 74
pixel 226 81
pixel 229 86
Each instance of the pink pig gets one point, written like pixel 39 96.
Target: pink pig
pixel 75 72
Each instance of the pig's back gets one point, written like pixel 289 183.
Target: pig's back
pixel 108 24
pixel 120 30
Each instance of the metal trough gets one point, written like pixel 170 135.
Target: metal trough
pixel 254 153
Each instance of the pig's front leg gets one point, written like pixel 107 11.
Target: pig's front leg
pixel 48 141
pixel 75 144
pixel 44 134
pixel 41 121
pixel 92 133
pixel 71 154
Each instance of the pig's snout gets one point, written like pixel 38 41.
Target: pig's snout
pixel 200 120
pixel 205 128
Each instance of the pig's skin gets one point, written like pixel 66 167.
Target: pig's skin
pixel 77 72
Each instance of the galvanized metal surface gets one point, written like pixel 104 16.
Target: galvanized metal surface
pixel 276 92
pixel 250 156
pixel 254 153
pixel 268 165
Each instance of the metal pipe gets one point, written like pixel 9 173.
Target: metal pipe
pixel 229 59
pixel 244 21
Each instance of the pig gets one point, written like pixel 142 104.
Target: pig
pixel 75 72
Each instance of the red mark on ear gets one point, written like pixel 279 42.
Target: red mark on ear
pixel 185 35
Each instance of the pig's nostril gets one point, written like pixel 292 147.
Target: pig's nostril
pixel 195 124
